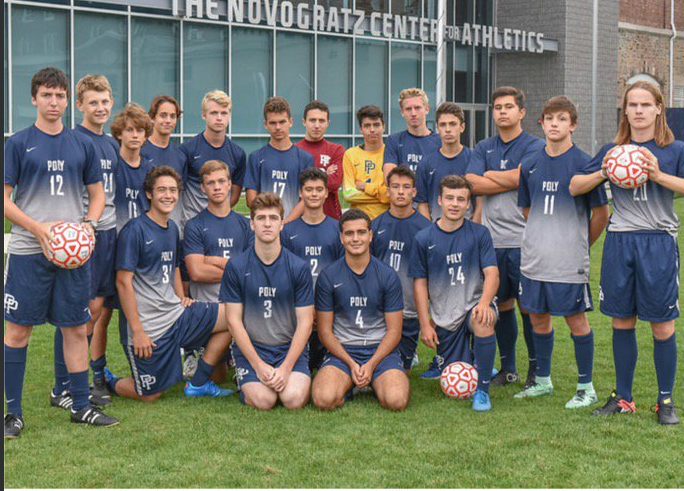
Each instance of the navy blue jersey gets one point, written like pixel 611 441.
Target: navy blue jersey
pixel 318 245
pixel 209 235
pixel 650 206
pixel 174 158
pixel 152 253
pixel 49 174
pixel 453 263
pixel 431 170
pixel 392 242
pixel 197 151
pixel 107 153
pixel 130 200
pixel 555 244
pixel 269 294
pixel 277 171
pixel 403 148
pixel 500 212
pixel 359 301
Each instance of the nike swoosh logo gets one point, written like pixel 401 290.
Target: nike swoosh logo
pixel 205 229
pixel 579 300
pixel 671 306
pixel 262 161
pixel 9 401
pixel 490 151
pixel 532 171
pixel 151 160
pixel 380 232
pixel 292 237
pixel 30 149
pixel 432 246
pixel 338 285
pixel 432 172
pixel 197 156
pixel 247 274
pixel 148 242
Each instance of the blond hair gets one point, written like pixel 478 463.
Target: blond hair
pixel 413 92
pixel 663 133
pixel 212 166
pixel 98 83
pixel 217 96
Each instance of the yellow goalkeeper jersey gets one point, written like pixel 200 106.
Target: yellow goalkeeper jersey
pixel 361 165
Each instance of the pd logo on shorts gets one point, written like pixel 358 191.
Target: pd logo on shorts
pixel 147 381
pixel 10 303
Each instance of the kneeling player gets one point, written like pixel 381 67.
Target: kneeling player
pixel 453 264
pixel 640 266
pixel 359 306
pixel 160 320
pixel 269 296
pixel 554 263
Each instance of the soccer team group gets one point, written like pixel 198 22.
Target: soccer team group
pixel 439 244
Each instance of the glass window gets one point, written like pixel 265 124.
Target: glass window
pixel 480 125
pixel 371 75
pixel 294 71
pixel 100 48
pixel 483 12
pixel 252 51
pixel 345 142
pixel 334 81
pixel 463 74
pixel 405 74
pixel 450 72
pixel 370 6
pixel 251 144
pixel 464 12
pixel 430 8
pixel 6 126
pixel 154 59
pixel 40 38
pixel 406 7
pixel 205 68
pixel 465 137
pixel 481 75
pixel 430 81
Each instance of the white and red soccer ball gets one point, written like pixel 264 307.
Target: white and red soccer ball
pixel 624 166
pixel 459 380
pixel 71 245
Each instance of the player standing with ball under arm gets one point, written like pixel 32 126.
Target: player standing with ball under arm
pixel 640 268
pixel 50 167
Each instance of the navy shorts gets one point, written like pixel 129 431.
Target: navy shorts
pixel 102 272
pixel 508 261
pixel 409 341
pixel 563 299
pixel 37 291
pixel 455 345
pixel 640 276
pixel 316 351
pixel 165 367
pixel 361 354
pixel 271 355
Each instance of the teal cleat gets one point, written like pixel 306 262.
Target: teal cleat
pixel 209 389
pixel 582 398
pixel 536 390
pixel 481 401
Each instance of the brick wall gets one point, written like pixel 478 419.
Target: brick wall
pixel 652 13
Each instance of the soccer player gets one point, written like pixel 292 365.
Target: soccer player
pixel 50 167
pixel 451 158
pixel 554 257
pixel 269 296
pixel 94 99
pixel 327 155
pixel 453 265
pixel 215 235
pixel 640 266
pixel 494 171
pixel 408 147
pixel 359 308
pixel 164 113
pixel 212 144
pixel 393 234
pixel 315 238
pixel 276 166
pixel 364 185
pixel 159 319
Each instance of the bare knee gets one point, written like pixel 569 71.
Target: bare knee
pixel 74 333
pixel 151 397
pixel 326 399
pixel 396 400
pixel 506 305
pixel 263 400
pixel 297 400
pixel 663 331
pixel 17 336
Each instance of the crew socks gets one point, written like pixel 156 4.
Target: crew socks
pixel 79 390
pixel 204 371
pixel 15 367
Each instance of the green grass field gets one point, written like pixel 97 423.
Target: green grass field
pixel 435 443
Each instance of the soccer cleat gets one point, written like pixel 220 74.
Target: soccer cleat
pixel 432 373
pixel 667 412
pixel 531 376
pixel 481 401
pixel 190 365
pixel 504 377
pixel 99 393
pixel 93 416
pixel 535 390
pixel 208 389
pixel 62 400
pixel 582 398
pixel 616 404
pixel 13 426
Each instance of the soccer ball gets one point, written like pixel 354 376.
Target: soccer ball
pixel 459 380
pixel 71 245
pixel 624 166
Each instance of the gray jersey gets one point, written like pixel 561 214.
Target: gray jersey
pixel 650 206
pixel 49 174
pixel 555 244
pixel 152 253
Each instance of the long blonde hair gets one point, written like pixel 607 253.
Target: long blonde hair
pixel 663 133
